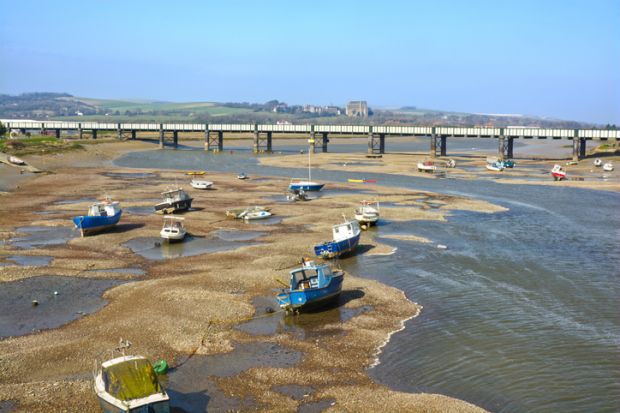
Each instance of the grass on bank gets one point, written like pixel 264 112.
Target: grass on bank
pixel 39 144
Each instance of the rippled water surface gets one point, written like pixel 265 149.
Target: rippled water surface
pixel 520 311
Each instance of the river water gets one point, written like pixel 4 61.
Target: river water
pixel 520 311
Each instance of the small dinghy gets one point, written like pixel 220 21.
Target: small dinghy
pixel 126 384
pixel 598 162
pixel 427 166
pixel 558 173
pixel 508 163
pixel 608 166
pixel 16 161
pixel 242 175
pixel 193 173
pixel 495 166
pixel 201 184
pixel 310 286
pixel 367 213
pixel 239 213
pixel 101 215
pixel 175 199
pixel 346 236
pixel 173 229
pixel 256 214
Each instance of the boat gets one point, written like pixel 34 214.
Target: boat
pixel 297 195
pixel 128 384
pixel 427 166
pixel 16 161
pixel 255 214
pixel 241 212
pixel 101 215
pixel 508 163
pixel 608 166
pixel 310 285
pixel 173 229
pixel 495 166
pixel 450 163
pixel 558 172
pixel 367 213
pixel 201 184
pixel 242 175
pixel 598 162
pixel 309 184
pixel 174 200
pixel 193 173
pixel 362 181
pixel 346 236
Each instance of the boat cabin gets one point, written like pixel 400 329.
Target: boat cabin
pixel 174 195
pixel 309 276
pixel 345 230
pixel 104 209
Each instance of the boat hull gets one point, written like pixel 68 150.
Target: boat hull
pixel 168 207
pixel 91 224
pixel 296 300
pixel 306 186
pixel 332 249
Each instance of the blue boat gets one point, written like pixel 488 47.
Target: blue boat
pixel 308 186
pixel 101 215
pixel 311 285
pixel 346 237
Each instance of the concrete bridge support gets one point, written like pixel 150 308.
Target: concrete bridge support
pixel 325 141
pixel 579 149
pixel 161 136
pixel 175 138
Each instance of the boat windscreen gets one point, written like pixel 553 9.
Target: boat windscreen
pixel 131 379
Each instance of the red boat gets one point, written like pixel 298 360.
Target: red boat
pixel 558 173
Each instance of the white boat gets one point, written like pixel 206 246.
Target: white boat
pixel 242 175
pixel 427 166
pixel 495 167
pixel 256 214
pixel 201 184
pixel 608 166
pixel 598 162
pixel 558 173
pixel 128 384
pixel 451 163
pixel 367 213
pixel 238 213
pixel 173 229
pixel 16 161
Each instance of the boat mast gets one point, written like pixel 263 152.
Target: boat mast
pixel 309 173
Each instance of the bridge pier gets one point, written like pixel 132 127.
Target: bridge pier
pixel 433 146
pixel 119 132
pixel 94 133
pixel 510 147
pixel 312 143
pixel 161 136
pixel 501 148
pixel 582 148
pixel 579 148
pixel 262 142
pixel 175 138
pixel 80 133
pixel 133 134
pixel 443 145
pixel 376 143
pixel 325 141
pixel 57 133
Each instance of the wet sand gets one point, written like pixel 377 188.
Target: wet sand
pixel 191 306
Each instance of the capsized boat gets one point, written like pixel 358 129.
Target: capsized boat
pixel 175 199
pixel 558 172
pixel 427 166
pixel 128 384
pixel 495 166
pixel 173 229
pixel 101 215
pixel 310 285
pixel 238 213
pixel 346 236
pixel 253 215
pixel 201 184
pixel 608 166
pixel 367 213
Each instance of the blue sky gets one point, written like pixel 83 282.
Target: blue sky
pixel 549 58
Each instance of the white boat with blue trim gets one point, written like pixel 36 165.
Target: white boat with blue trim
pixel 346 237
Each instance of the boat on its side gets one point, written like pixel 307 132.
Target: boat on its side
pixel 238 213
pixel 558 173
pixel 173 229
pixel 311 285
pixel 174 200
pixel 101 215
pixel 608 166
pixel 201 184
pixel 367 213
pixel 128 384
pixel 346 236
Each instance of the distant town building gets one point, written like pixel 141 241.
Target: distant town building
pixel 280 108
pixel 357 108
pixel 331 110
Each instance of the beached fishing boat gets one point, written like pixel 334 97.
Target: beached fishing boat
pixel 239 213
pixel 346 236
pixel 201 184
pixel 311 285
pixel 128 384
pixel 558 172
pixel 598 162
pixel 309 184
pixel 367 213
pixel 174 200
pixel 427 166
pixel 16 161
pixel 173 229
pixel 255 214
pixel 608 166
pixel 495 166
pixel 101 215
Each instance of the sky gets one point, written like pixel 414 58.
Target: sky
pixel 558 59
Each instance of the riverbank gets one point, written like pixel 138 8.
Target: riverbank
pixel 193 306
